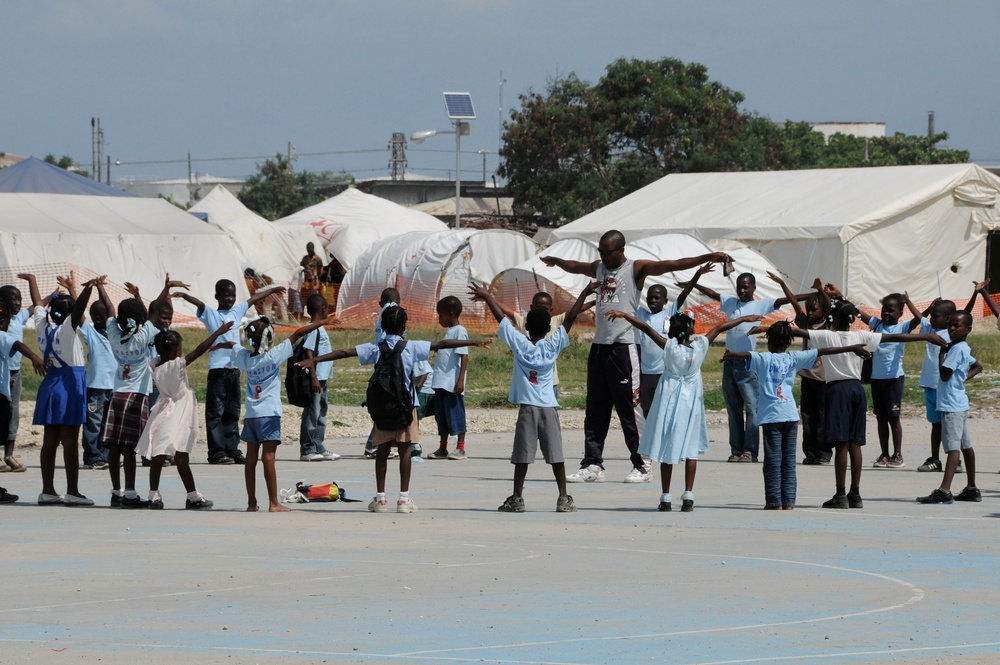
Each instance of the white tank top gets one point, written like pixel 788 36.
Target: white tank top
pixel 616 289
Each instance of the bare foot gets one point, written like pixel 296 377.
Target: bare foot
pixel 252 507
pixel 278 508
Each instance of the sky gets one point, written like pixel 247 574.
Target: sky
pixel 232 82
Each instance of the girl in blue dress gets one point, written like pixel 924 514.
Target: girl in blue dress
pixel 675 427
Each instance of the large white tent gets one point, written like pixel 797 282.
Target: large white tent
pixel 262 245
pixel 870 230
pixel 350 222
pixel 127 238
pixel 426 267
pixel 517 285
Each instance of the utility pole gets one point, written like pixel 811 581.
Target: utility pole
pixel 190 181
pixel 93 147
pixel 930 124
pixel 289 155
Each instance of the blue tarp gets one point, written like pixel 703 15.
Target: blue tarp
pixel 34 176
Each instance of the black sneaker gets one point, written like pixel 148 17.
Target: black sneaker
pixel 854 501
pixel 937 496
pixel 238 458
pixel 970 494
pixel 7 497
pixel 687 505
pixel 155 504
pixel 221 460
pixel 838 501
pixel 930 464
pixel 116 500
pixel 134 502
pixel 664 507
pixel 200 504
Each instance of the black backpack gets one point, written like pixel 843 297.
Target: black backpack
pixel 389 401
pixel 298 380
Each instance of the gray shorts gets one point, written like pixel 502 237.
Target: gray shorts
pixel 537 424
pixel 15 404
pixel 954 431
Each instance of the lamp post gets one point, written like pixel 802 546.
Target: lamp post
pixel 459 107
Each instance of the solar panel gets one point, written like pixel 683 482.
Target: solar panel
pixel 459 106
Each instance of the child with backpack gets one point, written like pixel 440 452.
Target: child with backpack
pixel 391 398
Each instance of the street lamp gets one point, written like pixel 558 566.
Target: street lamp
pixel 459 107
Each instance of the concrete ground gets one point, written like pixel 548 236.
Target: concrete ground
pixel 457 582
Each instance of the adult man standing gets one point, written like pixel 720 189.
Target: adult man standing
pixel 613 364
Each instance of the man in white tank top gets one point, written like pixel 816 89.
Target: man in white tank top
pixel 613 364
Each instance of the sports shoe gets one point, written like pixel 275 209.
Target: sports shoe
pixel 882 462
pixel 49 499
pixel 393 453
pixel 588 474
pixel 970 494
pixel 854 501
pixel 134 502
pixel 733 458
pixel 406 506
pixel 937 496
pixel 370 454
pixel 664 507
pixel 155 504
pixel 746 457
pixel 116 500
pixel 838 501
pixel 378 506
pixel 99 465
pixel 512 504
pixel 221 460
pixel 311 457
pixel 930 464
pixel 7 497
pixel 896 461
pixel 14 464
pixel 3 467
pixel 565 504
pixel 637 476
pixel 457 455
pixel 440 453
pixel 687 502
pixel 237 458
pixel 73 500
pixel 330 456
pixel 201 504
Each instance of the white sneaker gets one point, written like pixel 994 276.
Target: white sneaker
pixel 377 506
pixel 588 474
pixel 50 499
pixel 329 456
pixel 312 457
pixel 71 500
pixel 406 506
pixel 637 476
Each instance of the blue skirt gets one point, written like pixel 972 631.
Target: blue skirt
pixel 62 397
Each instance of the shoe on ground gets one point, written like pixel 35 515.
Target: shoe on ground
pixel 512 504
pixel 99 465
pixel 937 496
pixel 664 507
pixel 812 461
pixel 370 454
pixel 565 504
pixel 896 462
pixel 825 461
pixel 882 462
pixel 393 453
pixel 7 497
pixel 687 505
pixel 73 500
pixel 970 494
pixel 854 501
pixel 733 458
pixel 311 457
pixel 958 469
pixel 14 464
pixel 200 504
pixel 746 457
pixel 406 506
pixel 221 460
pixel 637 476
pixel 839 501
pixel 588 474
pixel 49 499
pixel 133 503
pixel 116 500
pixel 155 504
pixel 169 461
pixel 330 456
pixel 378 506
pixel 3 467
pixel 238 458
pixel 457 455
pixel 440 453
pixel 772 506
pixel 930 464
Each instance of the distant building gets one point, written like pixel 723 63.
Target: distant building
pixel 866 130
pixel 181 191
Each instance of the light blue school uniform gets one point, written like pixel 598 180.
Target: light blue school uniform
pixel 675 427
pixel 734 308
pixel 775 375
pixel 16 330
pixel 324 370
pixel 101 364
pixel 951 397
pixel 929 375
pixel 213 320
pixel 7 353
pixel 415 351
pixel 887 361
pixel 448 362
pixel 650 354
pixel 132 375
pixel 534 365
pixel 263 372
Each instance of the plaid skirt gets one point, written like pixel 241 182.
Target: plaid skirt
pixel 126 419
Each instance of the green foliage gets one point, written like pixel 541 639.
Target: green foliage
pixel 277 190
pixel 65 162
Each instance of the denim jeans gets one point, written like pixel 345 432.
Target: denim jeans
pixel 98 401
pixel 313 429
pixel 223 398
pixel 779 463
pixel 739 390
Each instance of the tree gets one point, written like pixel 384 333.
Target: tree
pixel 65 162
pixel 276 190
